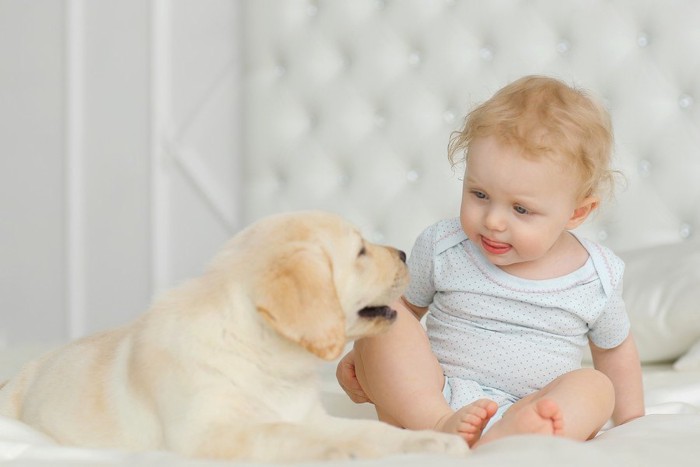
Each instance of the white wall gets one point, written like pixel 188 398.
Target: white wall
pixel 118 149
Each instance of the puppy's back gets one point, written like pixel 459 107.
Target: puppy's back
pixel 70 393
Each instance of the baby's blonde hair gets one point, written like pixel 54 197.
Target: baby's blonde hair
pixel 543 116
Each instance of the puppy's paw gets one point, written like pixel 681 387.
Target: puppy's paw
pixel 433 441
pixel 358 449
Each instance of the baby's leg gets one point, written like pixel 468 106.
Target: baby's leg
pixel 575 405
pixel 404 380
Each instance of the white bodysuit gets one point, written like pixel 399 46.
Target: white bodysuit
pixel 489 329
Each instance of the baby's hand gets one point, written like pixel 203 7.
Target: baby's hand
pixel 345 374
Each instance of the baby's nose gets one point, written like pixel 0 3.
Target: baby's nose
pixel 494 221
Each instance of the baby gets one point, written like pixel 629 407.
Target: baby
pixel 512 296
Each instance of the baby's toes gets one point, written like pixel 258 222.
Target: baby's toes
pixel 471 423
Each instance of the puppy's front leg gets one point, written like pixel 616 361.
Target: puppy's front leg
pixel 327 438
pixel 368 438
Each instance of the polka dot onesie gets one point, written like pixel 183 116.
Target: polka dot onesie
pixel 490 329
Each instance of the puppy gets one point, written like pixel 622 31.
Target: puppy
pixel 225 365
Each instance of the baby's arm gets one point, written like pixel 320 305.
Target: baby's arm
pixel 417 311
pixel 621 364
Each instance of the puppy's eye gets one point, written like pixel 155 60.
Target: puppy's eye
pixel 362 252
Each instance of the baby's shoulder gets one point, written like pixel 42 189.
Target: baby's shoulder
pixel 443 235
pixel 608 265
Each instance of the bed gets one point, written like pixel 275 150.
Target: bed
pixel 667 435
pixel 347 106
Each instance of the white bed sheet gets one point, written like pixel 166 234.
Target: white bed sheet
pixel 655 440
pixel 668 436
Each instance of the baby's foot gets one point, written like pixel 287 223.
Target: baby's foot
pixel 469 421
pixel 541 416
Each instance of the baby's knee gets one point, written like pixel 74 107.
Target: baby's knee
pixel 599 383
pixel 599 378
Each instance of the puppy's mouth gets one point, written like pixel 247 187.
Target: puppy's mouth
pixel 382 312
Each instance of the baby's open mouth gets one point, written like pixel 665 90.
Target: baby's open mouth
pixel 494 247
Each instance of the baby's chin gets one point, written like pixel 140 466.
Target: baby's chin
pixel 503 264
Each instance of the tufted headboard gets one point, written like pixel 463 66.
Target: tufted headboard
pixel 349 105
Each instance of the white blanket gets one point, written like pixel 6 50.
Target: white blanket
pixel 654 440
pixel 668 436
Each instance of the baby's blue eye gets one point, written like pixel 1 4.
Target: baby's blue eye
pixel 520 210
pixel 479 194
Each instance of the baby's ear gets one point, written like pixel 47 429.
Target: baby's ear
pixel 580 214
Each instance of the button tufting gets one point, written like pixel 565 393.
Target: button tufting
pixel 414 58
pixel 344 180
pixel 312 120
pixel 379 118
pixel 377 236
pixel 685 231
pixel 642 39
pixel 602 235
pixel 685 101
pixel 486 54
pixel 280 69
pixel 412 176
pixel 644 168
pixel 346 60
pixel 563 46
pixel 448 116
pixel 312 8
pixel 281 179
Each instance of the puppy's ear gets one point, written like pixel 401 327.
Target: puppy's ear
pixel 297 297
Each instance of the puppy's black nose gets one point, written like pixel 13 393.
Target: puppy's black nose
pixel 402 255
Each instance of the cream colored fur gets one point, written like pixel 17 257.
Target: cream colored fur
pixel 225 365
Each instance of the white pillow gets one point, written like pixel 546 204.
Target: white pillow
pixel 691 359
pixel 662 296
